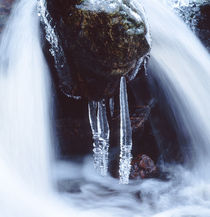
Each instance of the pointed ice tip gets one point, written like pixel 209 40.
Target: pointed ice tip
pixel 125 135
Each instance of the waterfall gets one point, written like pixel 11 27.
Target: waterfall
pixel 180 64
pixel 100 129
pixel 26 142
pixel 125 135
pixel 24 95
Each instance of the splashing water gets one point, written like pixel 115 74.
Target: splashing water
pixel 125 135
pixel 100 129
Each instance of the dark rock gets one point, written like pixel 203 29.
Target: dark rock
pixel 203 24
pixel 72 127
pixel 140 116
pixel 197 16
pixel 100 46
pixel 153 131
pixel 143 167
pixel 5 8
pixel 100 41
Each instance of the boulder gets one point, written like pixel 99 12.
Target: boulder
pixel 92 46
pixel 101 41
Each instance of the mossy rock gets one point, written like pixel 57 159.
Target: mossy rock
pixel 101 42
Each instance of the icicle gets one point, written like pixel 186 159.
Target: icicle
pixel 136 70
pixel 111 106
pixel 145 65
pixel 100 129
pixel 125 135
pixel 56 49
pixel 51 37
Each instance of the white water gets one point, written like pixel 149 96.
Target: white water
pixel 181 65
pixel 24 131
pixel 25 139
pixel 25 136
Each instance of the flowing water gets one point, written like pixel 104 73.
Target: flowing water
pixel 24 132
pixel 181 64
pixel 29 175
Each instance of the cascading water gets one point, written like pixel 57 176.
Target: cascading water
pixel 24 132
pixel 178 62
pixel 25 140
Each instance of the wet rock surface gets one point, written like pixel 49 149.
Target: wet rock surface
pixel 142 167
pixel 101 41
pixel 203 24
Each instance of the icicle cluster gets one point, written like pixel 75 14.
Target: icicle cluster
pixel 100 130
pixel 56 50
pixel 49 30
pixel 125 135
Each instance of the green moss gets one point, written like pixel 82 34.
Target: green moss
pixel 104 43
